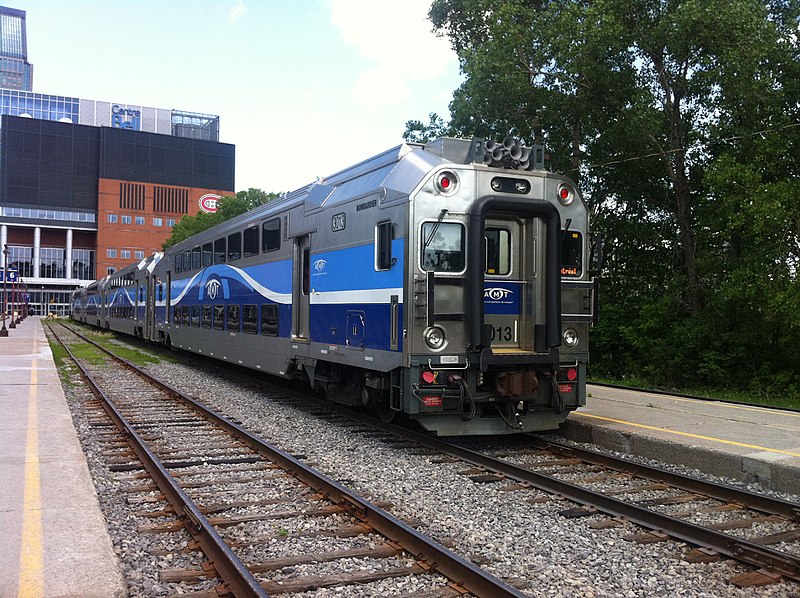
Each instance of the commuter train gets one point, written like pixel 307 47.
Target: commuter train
pixel 445 282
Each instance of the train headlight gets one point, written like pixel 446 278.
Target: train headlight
pixel 446 182
pixel 570 337
pixel 565 194
pixel 435 338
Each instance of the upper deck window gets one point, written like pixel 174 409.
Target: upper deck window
pixel 443 246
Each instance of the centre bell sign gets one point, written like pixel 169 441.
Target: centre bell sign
pixel 126 118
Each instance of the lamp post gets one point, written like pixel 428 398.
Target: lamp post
pixel 3 330
pixel 23 294
pixel 13 323
pixel 17 294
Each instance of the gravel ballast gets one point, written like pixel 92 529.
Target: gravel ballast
pixel 530 546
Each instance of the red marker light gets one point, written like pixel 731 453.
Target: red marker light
pixel 428 377
pixel 572 374
pixel 564 193
pixel 444 182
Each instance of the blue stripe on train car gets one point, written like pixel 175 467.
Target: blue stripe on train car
pixel 353 269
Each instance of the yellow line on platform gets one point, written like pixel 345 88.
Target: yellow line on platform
pixel 699 436
pixel 31 573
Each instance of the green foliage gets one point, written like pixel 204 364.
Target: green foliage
pixel 679 120
pixel 227 208
pixel 417 132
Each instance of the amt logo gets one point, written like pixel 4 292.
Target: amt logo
pixel 212 288
pixel 320 265
pixel 496 293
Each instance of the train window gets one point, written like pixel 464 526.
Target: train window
pixel 187 261
pixel 443 246
pixel 186 316
pixel 178 262
pixel 498 250
pixel 233 318
pixel 196 315
pixel 208 254
pixel 383 245
pixel 234 246
pixel 271 235
pixel 250 318
pixel 251 241
pixel 196 258
pixel 269 319
pixel 219 317
pixel 206 321
pixel 219 251
pixel 176 316
pixel 571 253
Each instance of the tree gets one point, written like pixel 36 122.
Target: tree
pixel 417 132
pixel 227 208
pixel 658 109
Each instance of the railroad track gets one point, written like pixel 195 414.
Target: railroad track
pixel 668 505
pixel 719 520
pixel 223 484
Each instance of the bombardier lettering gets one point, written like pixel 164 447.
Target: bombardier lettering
pixel 366 205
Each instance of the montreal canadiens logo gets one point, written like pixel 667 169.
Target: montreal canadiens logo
pixel 208 203
pixel 496 294
pixel 320 265
pixel 212 288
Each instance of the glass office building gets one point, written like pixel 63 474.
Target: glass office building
pixel 15 70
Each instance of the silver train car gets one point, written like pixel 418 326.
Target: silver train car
pixel 444 282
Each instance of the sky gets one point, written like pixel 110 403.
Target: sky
pixel 303 88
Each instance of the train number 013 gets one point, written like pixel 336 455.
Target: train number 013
pixel 503 333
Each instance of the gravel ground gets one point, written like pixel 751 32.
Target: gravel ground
pixel 530 546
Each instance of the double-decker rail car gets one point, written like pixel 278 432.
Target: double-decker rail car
pixel 446 282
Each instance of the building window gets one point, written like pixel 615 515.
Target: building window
pixel 131 196
pixel 158 221
pixel 112 218
pixel 125 254
pixel 126 219
pixel 110 270
pixel 111 253
pixel 138 254
pixel 140 220
pixel 170 222
pixel 170 199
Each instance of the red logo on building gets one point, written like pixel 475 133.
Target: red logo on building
pixel 208 203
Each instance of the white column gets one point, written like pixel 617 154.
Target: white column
pixel 37 260
pixel 3 236
pixel 68 257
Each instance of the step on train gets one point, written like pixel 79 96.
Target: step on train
pixel 446 283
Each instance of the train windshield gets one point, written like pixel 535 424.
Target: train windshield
pixel 443 247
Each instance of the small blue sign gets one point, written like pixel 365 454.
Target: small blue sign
pixel 12 276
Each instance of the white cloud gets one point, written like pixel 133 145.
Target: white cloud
pixel 397 38
pixel 238 9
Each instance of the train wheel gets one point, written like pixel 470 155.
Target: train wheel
pixel 385 413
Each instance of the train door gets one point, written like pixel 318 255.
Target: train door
pixel 507 296
pixel 150 313
pixel 301 288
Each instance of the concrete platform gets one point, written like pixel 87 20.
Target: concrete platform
pixel 53 538
pixel 752 444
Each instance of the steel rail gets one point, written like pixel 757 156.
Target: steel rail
pixel 742 550
pixel 723 492
pixel 230 568
pixel 439 559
